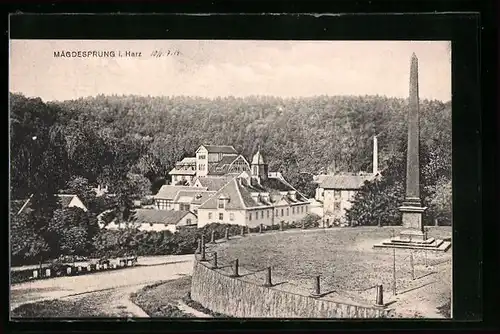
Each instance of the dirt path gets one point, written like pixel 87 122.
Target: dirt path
pixel 110 286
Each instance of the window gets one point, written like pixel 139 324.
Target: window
pixel 302 209
pixel 250 216
pixel 277 213
pixel 336 194
pixel 336 206
pixel 221 216
pixel 161 204
pixel 201 167
pixel 255 170
pixel 306 208
pixel 267 213
pixel 282 212
pixel 221 204
pixel 188 221
pixel 201 157
pixel 231 216
pixel 287 212
pixel 293 210
pixel 184 207
pixel 262 214
pixel 209 215
pixel 256 215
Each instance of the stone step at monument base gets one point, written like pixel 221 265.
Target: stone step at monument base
pixel 436 245
pixel 430 242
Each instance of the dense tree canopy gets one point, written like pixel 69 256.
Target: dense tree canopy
pixel 130 143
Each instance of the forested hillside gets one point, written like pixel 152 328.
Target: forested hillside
pixel 131 142
pixel 101 136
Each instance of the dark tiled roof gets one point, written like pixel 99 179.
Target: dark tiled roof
pixel 231 191
pixel 170 191
pixel 214 183
pixel 169 217
pixel 197 197
pixel 222 167
pixel 220 149
pixel 66 199
pixel 344 182
pixel 176 171
pixel 240 192
pixel 188 161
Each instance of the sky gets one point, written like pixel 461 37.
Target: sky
pixel 211 68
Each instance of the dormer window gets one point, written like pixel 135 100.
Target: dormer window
pixel 222 201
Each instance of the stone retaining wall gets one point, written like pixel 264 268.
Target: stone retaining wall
pixel 236 298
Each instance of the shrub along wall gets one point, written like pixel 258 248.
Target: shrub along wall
pixel 237 298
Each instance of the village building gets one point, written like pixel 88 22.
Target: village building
pixel 253 198
pixel 335 192
pixel 168 197
pixel 209 160
pixel 183 172
pixel 157 220
pixel 65 200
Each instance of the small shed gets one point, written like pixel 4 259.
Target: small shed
pixel 161 220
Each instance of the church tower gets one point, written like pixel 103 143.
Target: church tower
pixel 259 168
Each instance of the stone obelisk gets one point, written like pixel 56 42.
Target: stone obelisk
pixel 412 209
pixel 413 236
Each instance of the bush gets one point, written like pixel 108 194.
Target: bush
pixel 114 243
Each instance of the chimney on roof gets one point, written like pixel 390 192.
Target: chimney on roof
pixel 293 195
pixel 375 155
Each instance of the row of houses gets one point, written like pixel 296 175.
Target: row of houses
pixel 218 185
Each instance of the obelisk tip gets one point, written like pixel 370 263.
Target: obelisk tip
pixel 413 56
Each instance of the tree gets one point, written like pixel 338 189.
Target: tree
pixel 140 185
pixel 441 201
pixel 81 187
pixel 377 201
pixel 71 232
pixel 25 243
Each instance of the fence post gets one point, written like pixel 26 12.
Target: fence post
pixel 260 228
pixel 198 249
pixel 380 295
pixel 317 288
pixel 436 222
pixel 242 231
pixel 281 225
pixel 212 239
pixel 268 278
pixel 214 260
pixel 235 269
pixel 248 230
pixel 412 267
pixel 203 255
pixel 394 271
pixel 227 233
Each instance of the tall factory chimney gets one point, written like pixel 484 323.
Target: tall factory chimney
pixel 375 155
